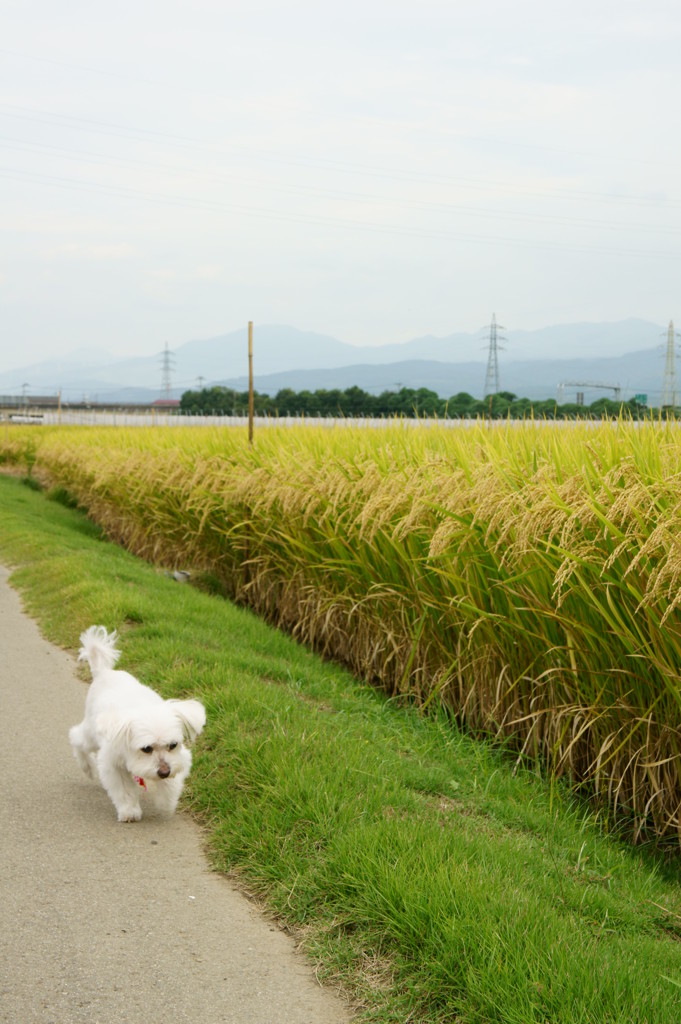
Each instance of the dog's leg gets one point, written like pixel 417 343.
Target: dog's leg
pixel 122 789
pixel 84 747
pixel 166 794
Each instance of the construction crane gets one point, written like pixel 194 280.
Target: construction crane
pixel 587 384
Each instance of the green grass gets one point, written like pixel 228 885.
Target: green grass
pixel 413 863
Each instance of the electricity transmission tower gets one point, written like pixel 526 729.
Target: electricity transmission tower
pixel 167 366
pixel 670 391
pixel 492 376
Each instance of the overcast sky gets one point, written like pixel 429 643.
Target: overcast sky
pixel 375 171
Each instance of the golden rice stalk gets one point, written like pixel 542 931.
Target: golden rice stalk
pixel 528 576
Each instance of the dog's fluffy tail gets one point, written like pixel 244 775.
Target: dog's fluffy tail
pixel 99 648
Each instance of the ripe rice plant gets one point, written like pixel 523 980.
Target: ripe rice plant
pixel 527 576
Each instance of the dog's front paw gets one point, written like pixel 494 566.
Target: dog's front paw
pixel 129 813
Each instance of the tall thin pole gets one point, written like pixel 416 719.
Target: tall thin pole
pixel 251 402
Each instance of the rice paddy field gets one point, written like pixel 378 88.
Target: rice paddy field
pixel 527 577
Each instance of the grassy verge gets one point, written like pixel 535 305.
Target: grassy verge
pixel 413 864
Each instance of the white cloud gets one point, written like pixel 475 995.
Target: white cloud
pixel 374 170
pixel 82 251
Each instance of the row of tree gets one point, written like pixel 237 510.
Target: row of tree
pixel 411 402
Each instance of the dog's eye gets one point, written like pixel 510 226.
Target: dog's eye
pixel 147 750
pixel 171 746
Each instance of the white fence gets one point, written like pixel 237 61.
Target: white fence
pixel 154 418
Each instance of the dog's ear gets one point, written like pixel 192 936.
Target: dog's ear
pixel 191 714
pixel 113 728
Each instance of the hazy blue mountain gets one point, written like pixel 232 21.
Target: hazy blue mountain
pixel 629 353
pixel 278 349
pixel 635 373
pixel 583 340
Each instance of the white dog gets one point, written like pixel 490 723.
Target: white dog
pixel 132 737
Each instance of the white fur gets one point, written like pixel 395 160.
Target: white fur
pixel 130 733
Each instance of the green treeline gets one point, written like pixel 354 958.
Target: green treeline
pixel 406 402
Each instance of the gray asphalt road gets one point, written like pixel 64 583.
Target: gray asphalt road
pixel 102 922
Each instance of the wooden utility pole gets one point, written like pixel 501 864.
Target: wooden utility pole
pixel 251 402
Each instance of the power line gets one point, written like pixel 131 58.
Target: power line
pixel 304 190
pixel 343 167
pixel 124 192
pixel 320 113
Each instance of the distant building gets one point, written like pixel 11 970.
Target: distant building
pixel 29 401
pixel 166 403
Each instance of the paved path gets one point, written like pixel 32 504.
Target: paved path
pixel 102 922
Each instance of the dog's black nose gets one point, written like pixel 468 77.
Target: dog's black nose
pixel 163 770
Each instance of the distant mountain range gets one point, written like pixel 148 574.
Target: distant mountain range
pixel 629 354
